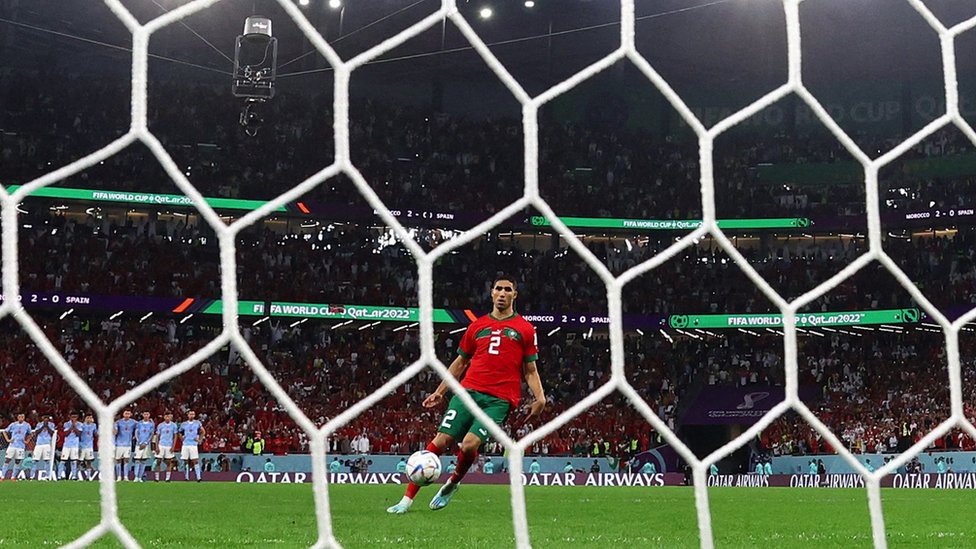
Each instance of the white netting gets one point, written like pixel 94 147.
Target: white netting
pixel 530 105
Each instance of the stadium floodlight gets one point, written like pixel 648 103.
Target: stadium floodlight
pixel 529 4
pixel 485 13
pixel 335 4
pixel 302 2
pixel 255 69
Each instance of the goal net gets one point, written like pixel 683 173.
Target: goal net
pixel 706 136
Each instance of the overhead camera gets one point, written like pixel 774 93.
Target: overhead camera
pixel 255 69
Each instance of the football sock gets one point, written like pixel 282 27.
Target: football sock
pixel 118 470
pixel 16 471
pixel 464 462
pixel 412 488
pixel 3 471
pixel 74 470
pixel 406 501
pixel 196 469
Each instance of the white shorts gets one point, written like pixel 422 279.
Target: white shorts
pixel 141 453
pixel 165 452
pixel 88 454
pixel 42 452
pixel 16 454
pixel 122 452
pixel 189 452
pixel 69 454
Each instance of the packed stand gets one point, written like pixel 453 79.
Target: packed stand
pixel 415 158
pixel 353 264
pixel 881 393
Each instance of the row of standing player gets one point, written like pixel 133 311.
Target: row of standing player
pixel 135 442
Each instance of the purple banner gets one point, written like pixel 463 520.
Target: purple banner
pixel 934 481
pixel 937 481
pixel 727 405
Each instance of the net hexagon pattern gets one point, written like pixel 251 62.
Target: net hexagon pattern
pixel 627 52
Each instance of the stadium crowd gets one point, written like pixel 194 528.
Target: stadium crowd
pixel 324 371
pixel 880 392
pixel 416 158
pixel 353 264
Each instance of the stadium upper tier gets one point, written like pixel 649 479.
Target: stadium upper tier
pixel 422 160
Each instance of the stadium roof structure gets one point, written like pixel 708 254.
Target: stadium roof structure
pixel 546 42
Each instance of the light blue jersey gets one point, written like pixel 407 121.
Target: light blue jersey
pixel 534 467
pixel 942 466
pixel 18 432
pixel 648 469
pixel 44 435
pixel 124 430
pixel 70 436
pixel 191 432
pixel 87 439
pixel 144 432
pixel 167 433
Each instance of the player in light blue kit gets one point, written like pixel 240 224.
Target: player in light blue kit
pixel 124 429
pixel 86 440
pixel 70 432
pixel 192 431
pixel 43 436
pixel 145 430
pixel 16 436
pixel 163 442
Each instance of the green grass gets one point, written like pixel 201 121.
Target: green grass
pixel 266 515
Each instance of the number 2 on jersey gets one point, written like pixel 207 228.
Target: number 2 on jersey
pixel 448 418
pixel 493 344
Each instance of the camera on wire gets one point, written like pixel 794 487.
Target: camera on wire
pixel 255 69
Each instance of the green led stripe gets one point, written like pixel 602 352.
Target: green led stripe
pixel 675 224
pixel 803 320
pixel 329 311
pixel 156 199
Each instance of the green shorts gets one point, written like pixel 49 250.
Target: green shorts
pixel 458 420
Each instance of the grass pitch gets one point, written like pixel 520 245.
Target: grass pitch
pixel 269 515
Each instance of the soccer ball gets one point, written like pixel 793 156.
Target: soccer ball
pixel 423 467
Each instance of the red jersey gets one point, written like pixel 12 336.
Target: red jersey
pixel 498 348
